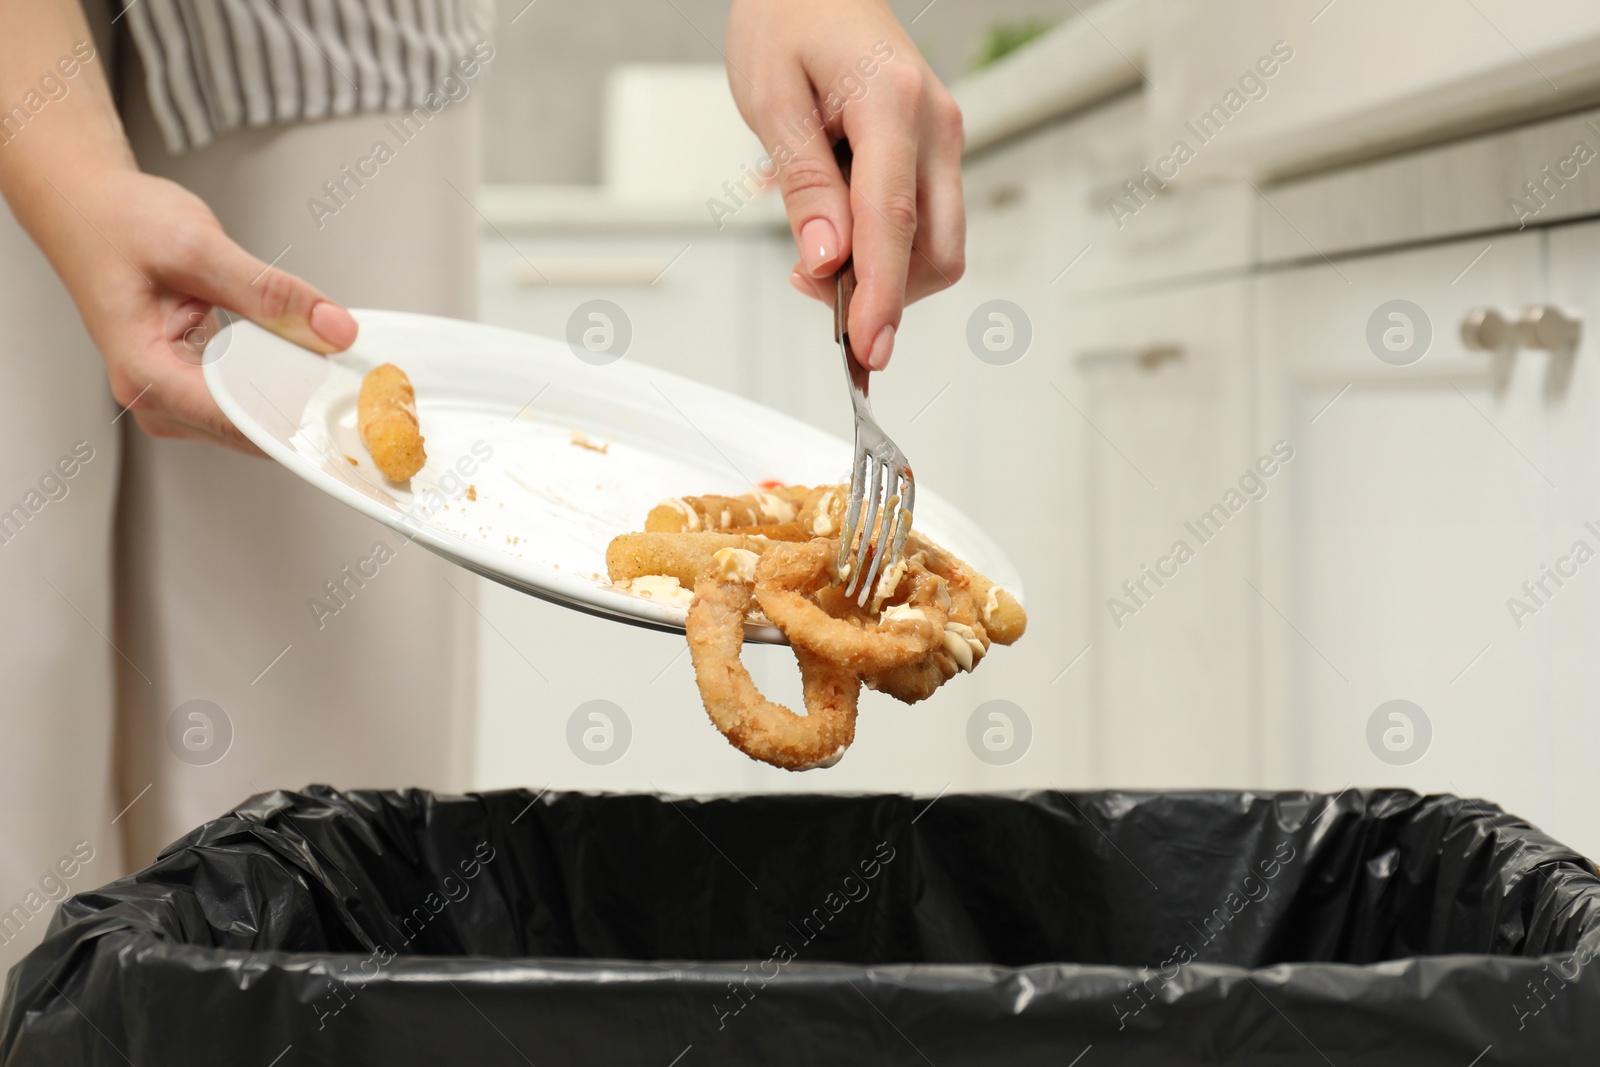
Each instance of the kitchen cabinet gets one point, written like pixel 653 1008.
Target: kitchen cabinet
pixel 1381 562
pixel 1417 504
pixel 689 300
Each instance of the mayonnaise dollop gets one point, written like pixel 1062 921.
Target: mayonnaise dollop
pixel 822 523
pixel 772 507
pixel 991 604
pixel 904 613
pixel 662 588
pixel 962 642
pixel 691 517
pixel 734 565
pixel 888 582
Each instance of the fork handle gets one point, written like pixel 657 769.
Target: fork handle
pixel 844 281
pixel 859 377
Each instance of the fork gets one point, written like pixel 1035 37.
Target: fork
pixel 879 468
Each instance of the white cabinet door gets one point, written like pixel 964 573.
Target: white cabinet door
pixel 686 295
pixel 1570 614
pixel 1417 503
pixel 1163 412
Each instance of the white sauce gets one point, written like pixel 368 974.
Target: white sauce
pixel 991 603
pixel 734 565
pixel 691 517
pixel 662 588
pixel 822 522
pixel 772 507
pixel 888 582
pixel 904 613
pixel 961 641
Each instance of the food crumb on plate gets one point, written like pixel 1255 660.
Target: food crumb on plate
pixel 472 492
pixel 353 461
pixel 582 440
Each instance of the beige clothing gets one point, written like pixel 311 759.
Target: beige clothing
pixel 169 572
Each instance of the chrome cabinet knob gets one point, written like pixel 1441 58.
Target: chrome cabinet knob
pixel 1486 330
pixel 1541 326
pixel 1547 327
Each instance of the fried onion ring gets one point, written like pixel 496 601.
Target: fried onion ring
pixel 756 726
pixel 788 574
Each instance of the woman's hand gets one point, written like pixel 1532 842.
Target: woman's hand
pixel 146 263
pixel 144 259
pixel 806 74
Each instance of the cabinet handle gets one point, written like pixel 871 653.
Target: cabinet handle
pixel 589 270
pixel 1486 330
pixel 1548 327
pixel 1540 326
pixel 1147 357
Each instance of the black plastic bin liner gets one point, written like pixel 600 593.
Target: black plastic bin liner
pixel 566 929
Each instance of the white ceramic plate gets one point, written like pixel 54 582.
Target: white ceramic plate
pixel 500 410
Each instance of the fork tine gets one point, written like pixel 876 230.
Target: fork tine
pixel 903 501
pixel 908 504
pixel 858 477
pixel 883 542
pixel 868 525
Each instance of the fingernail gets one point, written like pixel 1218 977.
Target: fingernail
pixel 799 283
pixel 333 324
pixel 819 246
pixel 882 349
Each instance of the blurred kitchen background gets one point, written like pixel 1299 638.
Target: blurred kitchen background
pixel 1356 314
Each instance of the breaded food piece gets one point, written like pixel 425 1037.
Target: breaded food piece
pixel 789 575
pixel 386 416
pixel 683 556
pixel 756 726
pixel 776 531
pixel 1002 616
pixel 823 514
pixel 693 514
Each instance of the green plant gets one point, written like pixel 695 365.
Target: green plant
pixel 1004 36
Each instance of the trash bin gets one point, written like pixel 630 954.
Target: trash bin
pixel 407 928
